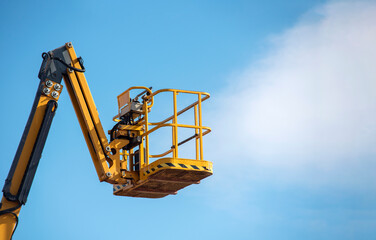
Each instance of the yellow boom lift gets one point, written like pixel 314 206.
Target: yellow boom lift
pixel 125 160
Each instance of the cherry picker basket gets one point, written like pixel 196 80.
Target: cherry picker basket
pixel 168 173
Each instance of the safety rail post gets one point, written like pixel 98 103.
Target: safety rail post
pixel 141 153
pixel 175 128
pixel 196 132
pixel 200 125
pixel 146 130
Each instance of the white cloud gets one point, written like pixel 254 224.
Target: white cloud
pixel 308 109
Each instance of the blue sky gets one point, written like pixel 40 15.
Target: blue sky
pixel 292 111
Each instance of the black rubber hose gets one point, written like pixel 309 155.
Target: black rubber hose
pixel 44 55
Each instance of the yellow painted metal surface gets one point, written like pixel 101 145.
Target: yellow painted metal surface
pixel 147 184
pixel 8 221
pixel 165 177
pixel 176 163
pixel 88 116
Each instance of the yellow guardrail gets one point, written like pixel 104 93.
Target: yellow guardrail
pixel 199 129
pixel 171 121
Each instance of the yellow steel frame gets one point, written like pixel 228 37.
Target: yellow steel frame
pixel 8 221
pixel 202 96
pixel 172 121
pixel 88 117
pixel 108 164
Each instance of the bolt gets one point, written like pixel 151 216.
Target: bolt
pixel 69 44
pixel 49 83
pixel 108 174
pixel 70 70
pixel 55 94
pixel 57 87
pixel 108 148
pixel 46 91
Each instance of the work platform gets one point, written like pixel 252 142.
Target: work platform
pixel 158 175
pixel 165 177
